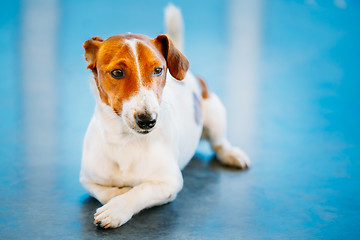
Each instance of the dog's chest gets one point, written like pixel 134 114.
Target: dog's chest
pixel 119 174
pixel 130 164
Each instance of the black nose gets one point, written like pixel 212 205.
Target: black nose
pixel 146 121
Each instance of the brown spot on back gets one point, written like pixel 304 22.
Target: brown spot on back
pixel 204 90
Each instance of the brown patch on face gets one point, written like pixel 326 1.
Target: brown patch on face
pixel 116 54
pixel 138 65
pixel 149 59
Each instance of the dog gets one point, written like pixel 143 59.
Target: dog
pixel 149 116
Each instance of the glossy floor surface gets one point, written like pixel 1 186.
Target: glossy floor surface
pixel 287 71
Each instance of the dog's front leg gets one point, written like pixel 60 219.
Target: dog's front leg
pixel 104 193
pixel 121 208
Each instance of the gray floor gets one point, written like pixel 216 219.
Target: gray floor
pixel 287 72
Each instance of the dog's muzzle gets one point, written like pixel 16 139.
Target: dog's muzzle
pixel 146 121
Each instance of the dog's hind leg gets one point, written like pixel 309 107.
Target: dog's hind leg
pixel 214 117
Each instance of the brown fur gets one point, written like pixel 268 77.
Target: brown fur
pixel 204 89
pixel 113 53
pixel 177 62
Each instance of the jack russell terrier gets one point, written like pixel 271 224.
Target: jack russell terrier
pixel 149 117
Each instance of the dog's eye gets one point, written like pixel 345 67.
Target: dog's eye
pixel 158 71
pixel 117 73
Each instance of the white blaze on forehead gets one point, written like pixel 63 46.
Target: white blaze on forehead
pixel 132 44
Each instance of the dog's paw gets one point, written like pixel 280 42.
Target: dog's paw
pixel 234 157
pixel 112 215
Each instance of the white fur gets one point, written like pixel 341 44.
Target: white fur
pixel 127 171
pixel 174 25
pixel 132 44
pixel 145 100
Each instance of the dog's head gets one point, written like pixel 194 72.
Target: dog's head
pixel 130 74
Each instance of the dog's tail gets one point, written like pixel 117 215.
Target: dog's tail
pixel 174 25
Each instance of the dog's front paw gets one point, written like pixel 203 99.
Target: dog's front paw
pixel 234 157
pixel 113 214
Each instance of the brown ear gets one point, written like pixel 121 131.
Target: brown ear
pixel 177 63
pixel 91 47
